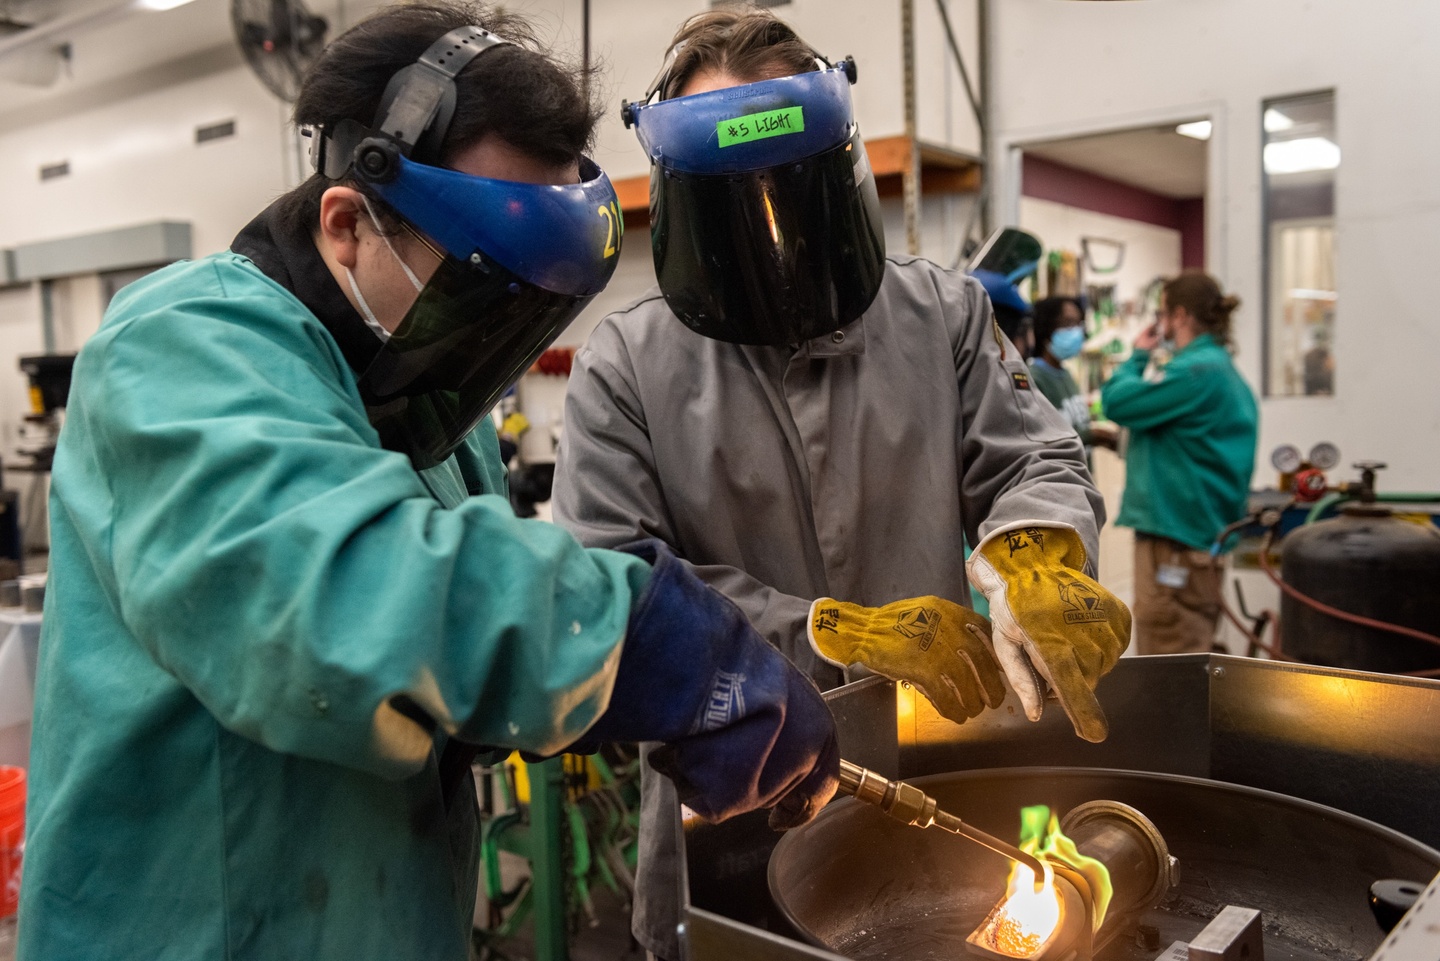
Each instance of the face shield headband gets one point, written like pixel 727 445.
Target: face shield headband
pixel 766 224
pixel 518 261
pixel 749 127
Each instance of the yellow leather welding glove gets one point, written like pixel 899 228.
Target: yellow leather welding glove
pixel 937 646
pixel 1050 618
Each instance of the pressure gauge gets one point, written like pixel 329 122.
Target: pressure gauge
pixel 1286 458
pixel 1324 455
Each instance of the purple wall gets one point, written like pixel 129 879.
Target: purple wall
pixel 1046 180
pixel 1192 233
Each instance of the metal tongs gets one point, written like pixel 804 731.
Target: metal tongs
pixel 907 803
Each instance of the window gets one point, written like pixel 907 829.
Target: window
pixel 1301 156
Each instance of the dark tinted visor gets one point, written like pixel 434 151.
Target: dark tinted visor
pixel 773 256
pixel 470 334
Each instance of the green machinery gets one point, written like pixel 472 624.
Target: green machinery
pixel 575 820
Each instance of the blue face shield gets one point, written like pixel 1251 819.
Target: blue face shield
pixel 765 223
pixel 1001 290
pixel 518 261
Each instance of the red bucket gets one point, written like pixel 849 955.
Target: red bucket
pixel 12 836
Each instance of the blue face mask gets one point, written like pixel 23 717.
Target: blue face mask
pixel 1066 342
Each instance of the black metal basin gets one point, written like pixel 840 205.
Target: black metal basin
pixel 868 887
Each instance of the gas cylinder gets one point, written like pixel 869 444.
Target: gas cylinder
pixel 1368 562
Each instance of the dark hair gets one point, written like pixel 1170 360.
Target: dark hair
pixel 1202 298
pixel 519 93
pixel 1012 323
pixel 744 41
pixel 1047 318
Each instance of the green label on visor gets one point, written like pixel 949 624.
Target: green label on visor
pixel 758 126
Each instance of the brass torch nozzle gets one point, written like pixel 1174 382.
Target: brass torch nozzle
pixel 907 803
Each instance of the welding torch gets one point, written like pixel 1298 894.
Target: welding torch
pixel 907 803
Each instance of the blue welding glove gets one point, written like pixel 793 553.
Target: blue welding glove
pixel 742 727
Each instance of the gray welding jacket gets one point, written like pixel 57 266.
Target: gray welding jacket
pixel 851 466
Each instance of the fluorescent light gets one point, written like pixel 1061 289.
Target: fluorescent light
pixel 1275 121
pixel 1199 130
pixel 1301 156
pixel 160 4
pixel 1301 293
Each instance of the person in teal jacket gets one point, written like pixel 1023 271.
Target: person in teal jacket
pixel 288 601
pixel 1188 465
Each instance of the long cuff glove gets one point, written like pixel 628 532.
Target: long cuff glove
pixel 1050 617
pixel 936 645
pixel 742 727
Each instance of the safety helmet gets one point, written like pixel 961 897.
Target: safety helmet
pixel 765 222
pixel 519 261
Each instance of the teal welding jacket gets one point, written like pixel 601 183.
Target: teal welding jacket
pixel 1191 452
pixel 261 631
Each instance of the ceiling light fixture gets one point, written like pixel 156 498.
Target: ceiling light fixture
pixel 1198 130
pixel 1301 156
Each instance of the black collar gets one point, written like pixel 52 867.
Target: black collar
pixel 291 259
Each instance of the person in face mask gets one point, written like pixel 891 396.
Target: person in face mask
pixel 288 599
pixel 1059 336
pixel 816 427
pixel 1188 464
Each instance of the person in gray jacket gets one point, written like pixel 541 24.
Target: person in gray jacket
pixel 817 428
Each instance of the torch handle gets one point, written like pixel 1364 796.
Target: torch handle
pixel 909 804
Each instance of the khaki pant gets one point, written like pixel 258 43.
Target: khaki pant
pixel 1171 618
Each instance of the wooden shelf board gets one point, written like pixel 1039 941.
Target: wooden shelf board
pixel 942 171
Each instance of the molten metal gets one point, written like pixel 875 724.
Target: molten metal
pixel 1025 922
pixel 1020 925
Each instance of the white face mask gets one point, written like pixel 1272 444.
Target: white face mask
pixel 365 312
pixel 414 281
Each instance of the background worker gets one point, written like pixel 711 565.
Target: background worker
pixel 1059 336
pixel 287 596
pixel 1188 464
pixel 820 456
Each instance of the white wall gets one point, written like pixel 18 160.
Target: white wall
pixel 1150 251
pixel 138 161
pixel 630 37
pixel 1068 68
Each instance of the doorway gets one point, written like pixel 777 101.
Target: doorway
pixel 1117 211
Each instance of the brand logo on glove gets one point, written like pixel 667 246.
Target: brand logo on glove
pixel 921 622
pixel 828 619
pixel 1019 540
pixel 1083 603
pixel 727 701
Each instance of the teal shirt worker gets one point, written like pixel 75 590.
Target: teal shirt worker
pixel 1189 462
pixel 288 601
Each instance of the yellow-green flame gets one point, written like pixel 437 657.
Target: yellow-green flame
pixel 1040 835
